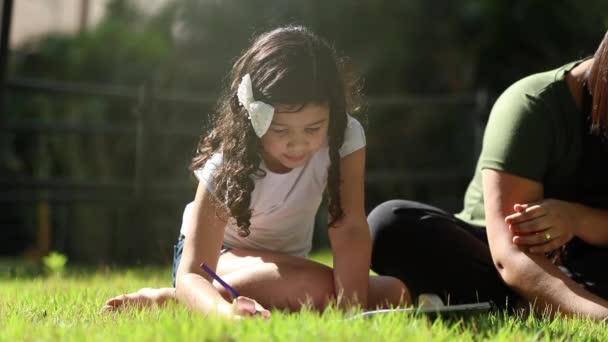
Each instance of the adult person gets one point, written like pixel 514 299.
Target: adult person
pixel 534 227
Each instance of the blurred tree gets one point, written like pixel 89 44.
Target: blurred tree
pixel 522 37
pixel 126 49
pixel 430 47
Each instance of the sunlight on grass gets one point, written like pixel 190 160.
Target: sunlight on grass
pixel 66 307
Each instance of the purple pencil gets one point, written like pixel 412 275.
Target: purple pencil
pixel 220 280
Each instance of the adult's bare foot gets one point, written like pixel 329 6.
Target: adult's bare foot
pixel 146 297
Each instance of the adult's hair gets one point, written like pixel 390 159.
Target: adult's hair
pixel 288 66
pixel 598 87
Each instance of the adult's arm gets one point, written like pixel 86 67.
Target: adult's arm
pixel 532 276
pixel 593 225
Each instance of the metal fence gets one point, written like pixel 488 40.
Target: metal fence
pixel 400 129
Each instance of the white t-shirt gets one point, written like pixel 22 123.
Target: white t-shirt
pixel 283 205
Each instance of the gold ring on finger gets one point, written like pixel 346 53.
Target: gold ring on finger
pixel 547 236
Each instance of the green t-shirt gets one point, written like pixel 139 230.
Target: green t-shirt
pixel 534 131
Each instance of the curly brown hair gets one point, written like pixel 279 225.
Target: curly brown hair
pixel 288 66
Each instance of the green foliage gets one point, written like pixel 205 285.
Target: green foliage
pixel 522 37
pixel 55 263
pixel 124 50
pixel 90 139
pixel 413 46
pixel 13 268
pixel 433 47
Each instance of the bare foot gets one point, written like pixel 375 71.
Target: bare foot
pixel 145 297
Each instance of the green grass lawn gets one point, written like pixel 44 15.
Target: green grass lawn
pixel 66 307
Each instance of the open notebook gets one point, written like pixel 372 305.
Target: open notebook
pixel 431 305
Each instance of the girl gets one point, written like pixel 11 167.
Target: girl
pixel 281 138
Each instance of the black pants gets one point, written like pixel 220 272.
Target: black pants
pixel 431 251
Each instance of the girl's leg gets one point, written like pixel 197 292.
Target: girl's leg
pixel 288 282
pixel 277 280
pixel 387 292
pixel 149 296
pixel 433 252
pixel 145 297
pixel 274 280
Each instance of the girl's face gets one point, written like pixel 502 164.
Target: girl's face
pixel 294 137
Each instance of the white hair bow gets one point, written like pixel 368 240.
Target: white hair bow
pixel 259 113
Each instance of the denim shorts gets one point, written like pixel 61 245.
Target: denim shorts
pixel 178 249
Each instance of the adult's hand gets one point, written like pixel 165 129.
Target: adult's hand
pixel 544 226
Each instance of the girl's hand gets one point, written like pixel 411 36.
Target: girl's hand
pixel 246 307
pixel 543 226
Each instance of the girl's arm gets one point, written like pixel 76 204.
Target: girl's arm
pixel 205 233
pixel 350 238
pixel 531 275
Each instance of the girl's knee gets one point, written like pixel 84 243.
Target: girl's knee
pixel 398 292
pixel 314 286
pixel 386 291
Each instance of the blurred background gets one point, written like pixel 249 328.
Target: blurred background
pixel 103 101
